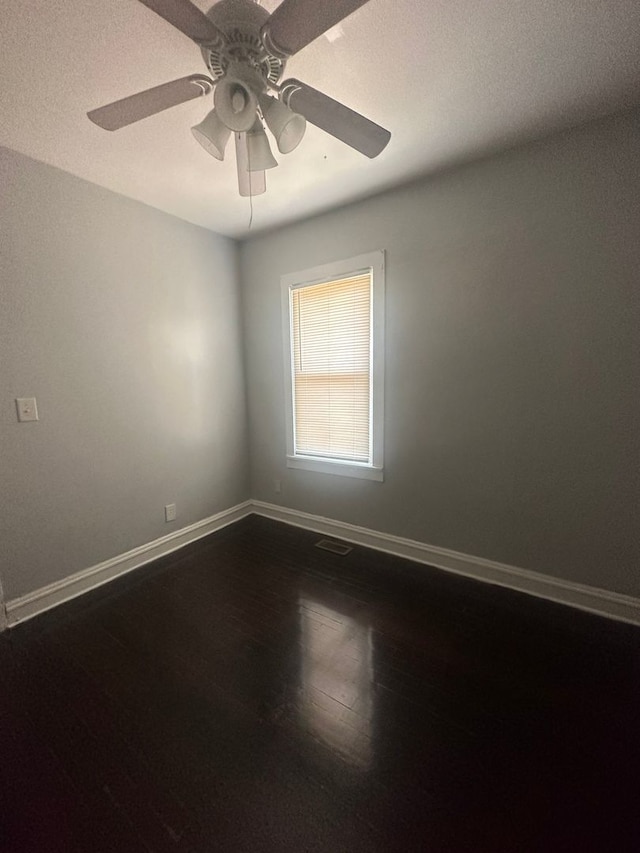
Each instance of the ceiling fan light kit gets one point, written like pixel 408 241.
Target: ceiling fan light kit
pixel 236 101
pixel 258 149
pixel 245 49
pixel 287 127
pixel 212 134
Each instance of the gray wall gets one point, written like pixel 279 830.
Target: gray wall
pixel 124 323
pixel 512 378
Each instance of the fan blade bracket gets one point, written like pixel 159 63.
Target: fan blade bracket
pixel 204 83
pixel 272 46
pixel 216 44
pixel 287 89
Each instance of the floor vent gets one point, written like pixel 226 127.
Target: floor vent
pixel 334 547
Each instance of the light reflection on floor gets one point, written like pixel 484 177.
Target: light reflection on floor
pixel 337 681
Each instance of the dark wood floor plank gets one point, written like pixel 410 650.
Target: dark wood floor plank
pixel 253 693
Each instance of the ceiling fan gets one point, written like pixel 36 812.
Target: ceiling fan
pixel 245 50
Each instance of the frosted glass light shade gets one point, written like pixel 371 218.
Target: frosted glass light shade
pixel 235 103
pixel 258 149
pixel 212 134
pixel 287 127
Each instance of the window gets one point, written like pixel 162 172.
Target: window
pixel 334 361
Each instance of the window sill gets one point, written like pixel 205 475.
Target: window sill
pixel 340 469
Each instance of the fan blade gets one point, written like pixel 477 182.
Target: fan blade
pixel 295 23
pixel 249 183
pixel 334 118
pixel 135 107
pixel 187 18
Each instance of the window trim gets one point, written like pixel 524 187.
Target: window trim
pixel 375 262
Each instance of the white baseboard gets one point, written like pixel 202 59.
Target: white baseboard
pixel 623 608
pixel 42 599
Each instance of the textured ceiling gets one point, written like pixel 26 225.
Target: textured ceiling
pixel 449 79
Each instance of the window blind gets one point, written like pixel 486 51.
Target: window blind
pixel 331 356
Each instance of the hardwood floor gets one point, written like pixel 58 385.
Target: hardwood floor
pixel 254 693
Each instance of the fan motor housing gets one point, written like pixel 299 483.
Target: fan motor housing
pixel 241 21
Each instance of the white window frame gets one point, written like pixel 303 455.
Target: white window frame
pixel 375 263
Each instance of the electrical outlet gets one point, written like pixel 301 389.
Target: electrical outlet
pixel 170 512
pixel 27 409
pixel 277 486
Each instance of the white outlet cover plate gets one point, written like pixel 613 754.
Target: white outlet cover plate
pixel 27 409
